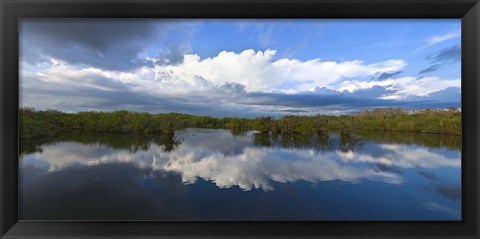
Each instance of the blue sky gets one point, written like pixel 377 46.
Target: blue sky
pixel 241 68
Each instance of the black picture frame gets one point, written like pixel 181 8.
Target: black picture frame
pixel 12 10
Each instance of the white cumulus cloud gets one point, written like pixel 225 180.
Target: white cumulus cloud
pixel 259 71
pixel 232 80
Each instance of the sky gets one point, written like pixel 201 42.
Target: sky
pixel 239 67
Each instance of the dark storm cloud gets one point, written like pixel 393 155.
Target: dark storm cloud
pixel 374 92
pixel 446 96
pixel 108 44
pixel 231 99
pixel 361 99
pixel 445 55
pixel 172 56
pixel 332 98
pixel 431 68
pixel 120 97
pixel 176 53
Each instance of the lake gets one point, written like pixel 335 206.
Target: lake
pixel 217 174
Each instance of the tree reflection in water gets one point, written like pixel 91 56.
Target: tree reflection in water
pixel 319 142
pixel 132 142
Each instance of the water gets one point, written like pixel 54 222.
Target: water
pixel 215 174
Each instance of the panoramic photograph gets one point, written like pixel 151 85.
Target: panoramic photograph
pixel 240 119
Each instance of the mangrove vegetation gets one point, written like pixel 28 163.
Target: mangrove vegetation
pixel 39 123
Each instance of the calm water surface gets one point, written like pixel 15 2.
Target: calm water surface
pixel 215 174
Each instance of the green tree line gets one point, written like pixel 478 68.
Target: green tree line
pixel 37 123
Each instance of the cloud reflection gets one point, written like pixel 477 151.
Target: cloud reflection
pixel 245 165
